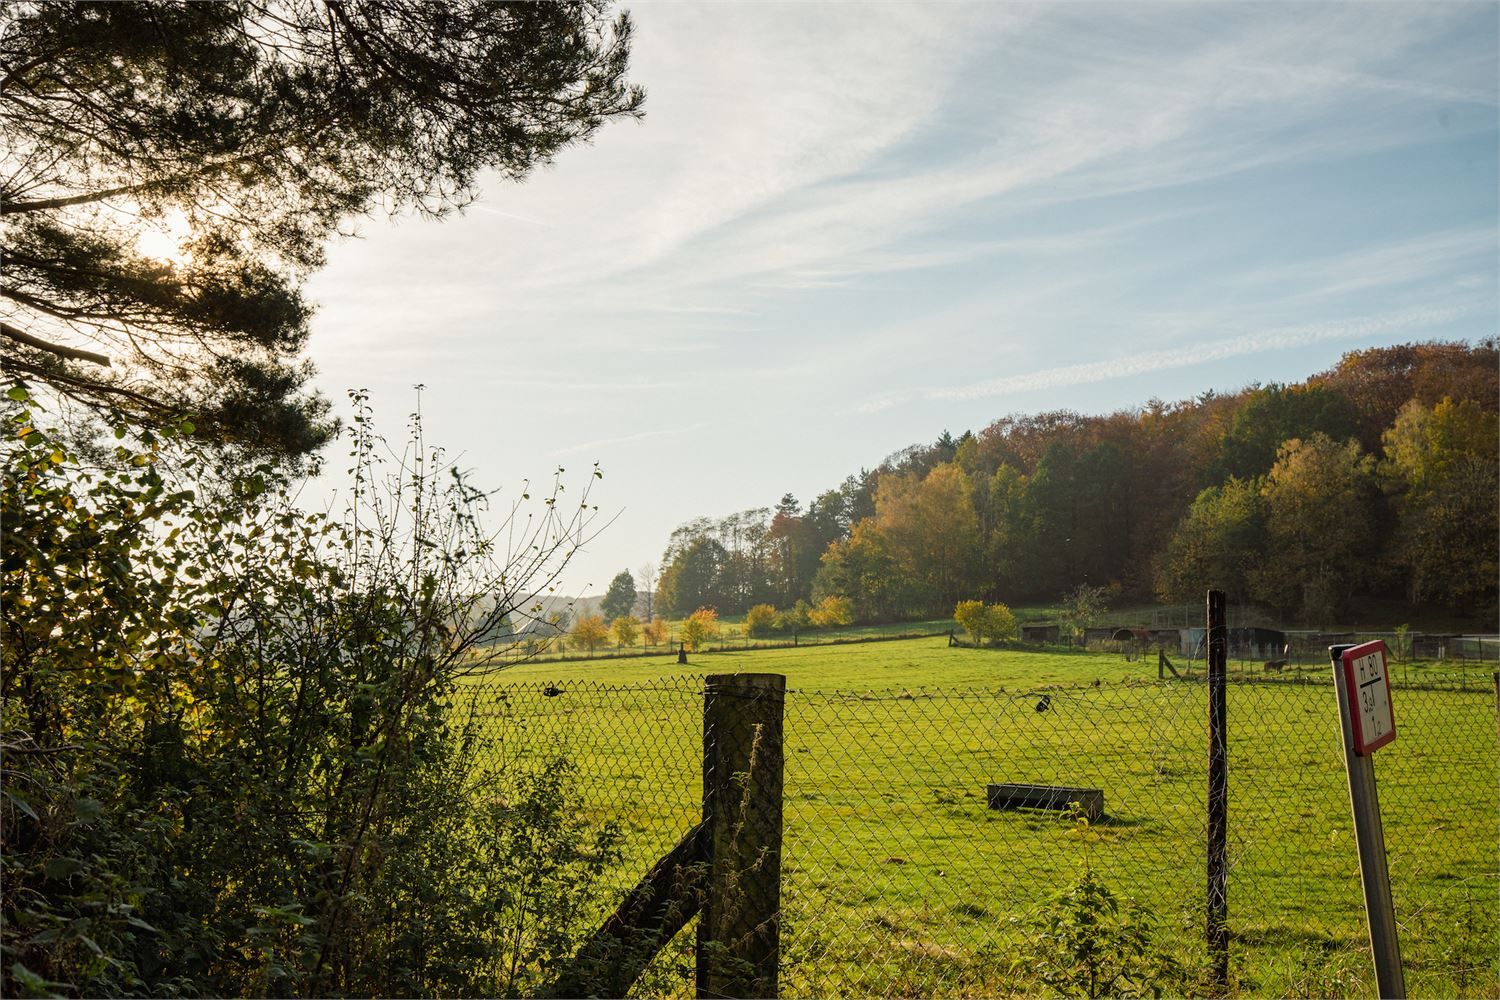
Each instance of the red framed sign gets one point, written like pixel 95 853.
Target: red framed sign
pixel 1367 679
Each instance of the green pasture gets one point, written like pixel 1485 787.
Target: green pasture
pixel 731 637
pixel 898 880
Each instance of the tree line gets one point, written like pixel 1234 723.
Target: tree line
pixel 1374 479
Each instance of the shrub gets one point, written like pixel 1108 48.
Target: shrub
pixel 760 620
pixel 973 618
pixel 230 741
pixel 626 630
pixel 656 631
pixel 992 622
pixel 588 632
pixel 1002 623
pixel 1088 945
pixel 833 611
pixel 700 627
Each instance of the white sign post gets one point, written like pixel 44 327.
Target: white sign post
pixel 1362 678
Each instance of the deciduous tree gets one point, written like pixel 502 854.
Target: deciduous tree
pixel 588 632
pixel 1441 465
pixel 1320 508
pixel 700 627
pixel 626 630
pixel 656 631
pixel 832 611
pixel 760 620
pixel 619 600
pixel 1221 543
pixel 693 577
pixel 932 531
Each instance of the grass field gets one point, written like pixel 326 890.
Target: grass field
pixel 897 879
pixel 731 637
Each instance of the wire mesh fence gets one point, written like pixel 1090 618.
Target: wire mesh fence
pixel 899 878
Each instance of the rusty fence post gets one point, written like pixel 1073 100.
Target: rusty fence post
pixel 739 927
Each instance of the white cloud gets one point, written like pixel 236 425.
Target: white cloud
pixel 1411 323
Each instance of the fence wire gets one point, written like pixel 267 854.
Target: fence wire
pixel 899 879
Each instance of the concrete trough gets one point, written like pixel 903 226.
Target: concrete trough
pixel 1060 797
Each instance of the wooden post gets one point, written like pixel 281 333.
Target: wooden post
pixel 613 958
pixel 739 927
pixel 1218 793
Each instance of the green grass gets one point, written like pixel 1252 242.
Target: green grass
pixel 731 637
pixel 898 879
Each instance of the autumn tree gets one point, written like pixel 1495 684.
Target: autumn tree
pixel 173 172
pixel 619 600
pixel 1002 622
pixel 626 630
pixel 1275 414
pixel 931 531
pixel 1441 465
pixel 588 632
pixel 656 631
pixel 972 618
pixel 1378 381
pixel 1221 543
pixel 760 620
pixel 1082 607
pixel 986 622
pixel 862 568
pixel 832 611
pixel 700 627
pixel 1320 510
pixel 1004 521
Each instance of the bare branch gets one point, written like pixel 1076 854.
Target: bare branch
pixel 61 350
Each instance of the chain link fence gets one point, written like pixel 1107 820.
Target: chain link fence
pixel 899 879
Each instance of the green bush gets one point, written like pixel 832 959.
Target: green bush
pixel 986 621
pixel 1087 944
pixel 760 620
pixel 235 760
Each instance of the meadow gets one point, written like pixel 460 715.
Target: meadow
pixel 898 880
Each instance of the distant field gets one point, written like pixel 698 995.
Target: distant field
pixel 731 636
pixel 898 880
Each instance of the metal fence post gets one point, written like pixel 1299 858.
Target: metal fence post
pixel 739 927
pixel 1218 793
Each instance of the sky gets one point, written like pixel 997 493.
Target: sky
pixel 842 229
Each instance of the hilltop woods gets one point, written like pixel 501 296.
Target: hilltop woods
pixel 1374 479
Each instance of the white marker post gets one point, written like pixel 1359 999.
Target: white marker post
pixel 1362 679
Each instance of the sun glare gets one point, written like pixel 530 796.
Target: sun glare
pixel 162 239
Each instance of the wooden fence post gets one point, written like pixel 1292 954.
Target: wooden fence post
pixel 1218 793
pixel 739 926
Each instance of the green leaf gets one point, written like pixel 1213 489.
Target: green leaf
pixel 60 868
pixel 33 984
pixel 21 804
pixel 18 393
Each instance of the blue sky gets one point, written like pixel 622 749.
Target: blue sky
pixel 844 228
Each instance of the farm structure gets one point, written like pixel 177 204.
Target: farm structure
pixel 1042 634
pixel 897 878
pixel 1248 643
